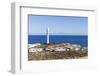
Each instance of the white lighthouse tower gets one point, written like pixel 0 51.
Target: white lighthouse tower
pixel 47 33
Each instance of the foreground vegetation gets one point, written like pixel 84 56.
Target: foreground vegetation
pixel 48 55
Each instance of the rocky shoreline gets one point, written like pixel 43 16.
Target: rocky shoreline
pixel 56 51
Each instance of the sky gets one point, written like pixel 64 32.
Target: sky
pixel 58 25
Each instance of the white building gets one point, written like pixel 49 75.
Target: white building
pixel 35 49
pixel 56 49
pixel 33 45
pixel 76 47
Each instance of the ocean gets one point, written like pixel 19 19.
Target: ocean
pixel 82 40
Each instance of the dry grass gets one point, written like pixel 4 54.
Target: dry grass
pixel 47 55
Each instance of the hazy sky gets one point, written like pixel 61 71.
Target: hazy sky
pixel 58 25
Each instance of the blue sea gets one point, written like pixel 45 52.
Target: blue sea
pixel 82 40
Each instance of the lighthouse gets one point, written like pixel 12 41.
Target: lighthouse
pixel 47 34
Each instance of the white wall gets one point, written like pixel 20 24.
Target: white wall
pixel 5 42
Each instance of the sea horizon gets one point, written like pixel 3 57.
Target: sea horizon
pixel 73 39
pixel 61 34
